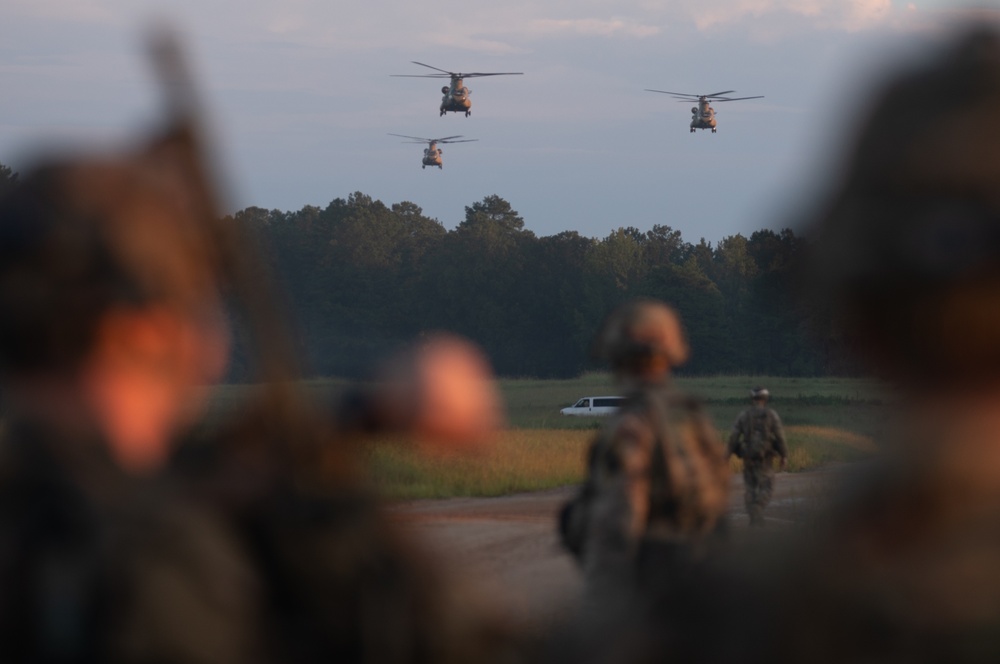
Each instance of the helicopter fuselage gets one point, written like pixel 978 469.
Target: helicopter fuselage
pixel 432 156
pixel 703 116
pixel 456 98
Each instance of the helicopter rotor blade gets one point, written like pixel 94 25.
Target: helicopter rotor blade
pixel 415 138
pixel 467 140
pixel 739 98
pixel 446 138
pixel 498 73
pixel 445 71
pixel 719 94
pixel 676 94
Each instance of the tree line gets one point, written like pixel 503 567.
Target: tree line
pixel 362 278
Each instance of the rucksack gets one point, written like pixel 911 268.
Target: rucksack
pixel 758 440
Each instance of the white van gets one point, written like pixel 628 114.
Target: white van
pixel 595 406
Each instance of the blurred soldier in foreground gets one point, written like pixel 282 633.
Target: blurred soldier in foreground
pixel 119 284
pixel 656 474
pixel 757 438
pixel 110 316
pixel 656 490
pixel 909 251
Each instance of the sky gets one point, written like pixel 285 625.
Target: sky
pixel 300 99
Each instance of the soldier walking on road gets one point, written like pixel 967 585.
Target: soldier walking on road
pixel 757 438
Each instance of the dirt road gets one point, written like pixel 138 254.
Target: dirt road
pixel 508 547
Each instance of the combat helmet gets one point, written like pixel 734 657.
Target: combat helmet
pixel 760 392
pixel 80 236
pixel 642 337
pixel 908 247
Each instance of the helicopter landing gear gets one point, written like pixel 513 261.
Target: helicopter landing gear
pixel 440 167
pixel 442 114
pixel 468 113
pixel 422 167
pixel 713 130
pixel 692 130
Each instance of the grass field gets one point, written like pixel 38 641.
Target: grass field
pixel 826 420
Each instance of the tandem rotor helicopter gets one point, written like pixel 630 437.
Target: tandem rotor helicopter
pixel 703 115
pixel 456 95
pixel 432 154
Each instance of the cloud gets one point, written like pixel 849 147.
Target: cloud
pixel 848 15
pixel 593 27
pixel 85 11
pixel 472 43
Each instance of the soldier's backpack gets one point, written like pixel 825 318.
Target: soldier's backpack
pixel 758 439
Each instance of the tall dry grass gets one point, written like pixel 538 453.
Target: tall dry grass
pixel 535 459
pixel 519 460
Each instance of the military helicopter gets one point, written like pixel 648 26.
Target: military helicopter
pixel 456 95
pixel 703 115
pixel 432 154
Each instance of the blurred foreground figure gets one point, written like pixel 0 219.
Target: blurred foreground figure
pixel 757 438
pixel 657 478
pixel 256 539
pixel 110 316
pixel 655 494
pixel 909 251
pixel 441 392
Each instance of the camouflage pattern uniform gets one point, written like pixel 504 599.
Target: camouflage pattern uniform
pixel 656 474
pixel 757 438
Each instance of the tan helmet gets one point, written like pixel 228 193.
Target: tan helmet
pixel 908 248
pixel 641 334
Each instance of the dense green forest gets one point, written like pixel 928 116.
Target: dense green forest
pixel 362 277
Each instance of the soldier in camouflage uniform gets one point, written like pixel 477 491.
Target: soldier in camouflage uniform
pixel 132 531
pixel 656 474
pixel 110 316
pixel 758 438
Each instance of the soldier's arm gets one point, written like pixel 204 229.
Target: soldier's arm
pixel 780 444
pixel 575 514
pixel 733 446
